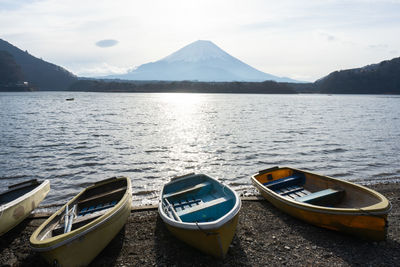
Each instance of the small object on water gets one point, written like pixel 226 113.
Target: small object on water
pixel 19 200
pixel 82 228
pixel 325 201
pixel 200 211
pixel 70 99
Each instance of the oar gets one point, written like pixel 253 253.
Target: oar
pixel 70 219
pixel 171 208
pixel 66 217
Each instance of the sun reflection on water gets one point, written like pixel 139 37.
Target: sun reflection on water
pixel 186 118
pixel 181 98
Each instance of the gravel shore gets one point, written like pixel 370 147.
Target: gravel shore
pixel 265 236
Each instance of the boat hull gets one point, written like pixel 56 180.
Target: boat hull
pixel 364 226
pixel 12 215
pixel 364 222
pixel 214 242
pixel 80 247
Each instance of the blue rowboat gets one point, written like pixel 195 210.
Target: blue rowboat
pixel 200 211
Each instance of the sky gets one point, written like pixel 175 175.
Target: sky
pixel 302 39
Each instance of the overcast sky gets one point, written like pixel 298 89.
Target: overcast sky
pixel 302 39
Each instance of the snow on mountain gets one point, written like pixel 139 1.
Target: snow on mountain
pixel 198 51
pixel 201 61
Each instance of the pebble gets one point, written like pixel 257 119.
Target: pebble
pixel 287 247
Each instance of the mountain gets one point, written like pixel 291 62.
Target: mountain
pixel 10 72
pixel 200 61
pixel 381 78
pixel 39 73
pixel 11 78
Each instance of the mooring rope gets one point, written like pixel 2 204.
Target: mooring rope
pixel 206 233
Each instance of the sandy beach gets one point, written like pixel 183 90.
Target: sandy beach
pixel 265 236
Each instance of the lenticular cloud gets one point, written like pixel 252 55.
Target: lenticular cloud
pixel 107 43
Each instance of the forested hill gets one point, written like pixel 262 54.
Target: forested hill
pixel 10 71
pixel 381 78
pixel 39 73
pixel 267 87
pixel 11 78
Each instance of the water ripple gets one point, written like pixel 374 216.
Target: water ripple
pixel 152 137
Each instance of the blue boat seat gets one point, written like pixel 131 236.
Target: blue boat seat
pixel 327 197
pixel 297 179
pixel 201 186
pixel 182 203
pixel 94 208
pixel 206 211
pixel 203 205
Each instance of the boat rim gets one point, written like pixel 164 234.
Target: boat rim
pixel 200 225
pixel 42 246
pixel 384 204
pixel 7 205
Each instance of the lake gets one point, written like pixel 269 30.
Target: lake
pixel 152 137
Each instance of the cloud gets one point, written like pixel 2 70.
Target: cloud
pixel 328 37
pixel 379 46
pixel 14 5
pixel 106 43
pixel 100 69
pixel 280 37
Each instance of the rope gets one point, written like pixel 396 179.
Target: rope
pixel 206 233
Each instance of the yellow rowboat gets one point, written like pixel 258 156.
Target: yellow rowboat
pixel 201 212
pixel 325 201
pixel 19 200
pixel 82 228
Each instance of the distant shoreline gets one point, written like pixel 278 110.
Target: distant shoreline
pixel 267 87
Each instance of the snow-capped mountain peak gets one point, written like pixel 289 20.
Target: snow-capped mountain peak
pixel 200 50
pixel 200 61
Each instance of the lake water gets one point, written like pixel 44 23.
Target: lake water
pixel 153 137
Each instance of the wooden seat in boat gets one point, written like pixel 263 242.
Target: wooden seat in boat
pixel 199 186
pixel 96 208
pixel 285 182
pixel 324 197
pixel 84 216
pixel 203 205
pixel 185 203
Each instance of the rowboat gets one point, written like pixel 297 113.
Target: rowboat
pixel 19 200
pixel 200 211
pixel 81 229
pixel 325 201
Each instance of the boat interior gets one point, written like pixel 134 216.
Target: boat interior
pixel 17 190
pixel 315 189
pixel 91 204
pixel 197 200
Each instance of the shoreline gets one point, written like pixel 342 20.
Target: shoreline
pixel 264 236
